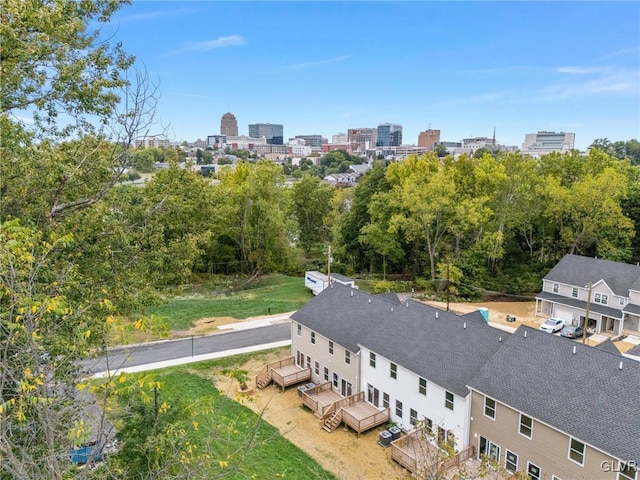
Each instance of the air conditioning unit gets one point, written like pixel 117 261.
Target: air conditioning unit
pixel 385 438
pixel 395 433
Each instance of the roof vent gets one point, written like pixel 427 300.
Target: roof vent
pixel 525 334
pixel 500 339
pixel 464 325
pixel 369 300
pixel 392 309
pixel 407 304
pixel 574 349
pixel 352 293
pixel 436 314
pixel 620 366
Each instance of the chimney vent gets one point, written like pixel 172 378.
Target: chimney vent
pixel 525 334
pixel 352 293
pixel 620 366
pixel 574 349
pixel 436 314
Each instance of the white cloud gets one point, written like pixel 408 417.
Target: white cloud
pixel 621 52
pixel 582 70
pixel 208 45
pixel 317 63
pixel 141 17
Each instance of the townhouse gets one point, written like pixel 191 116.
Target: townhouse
pixel 609 290
pixel 409 357
pixel 557 409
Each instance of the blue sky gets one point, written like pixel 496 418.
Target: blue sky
pixel 323 67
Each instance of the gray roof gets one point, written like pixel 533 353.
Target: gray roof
pixel 574 302
pixel 390 297
pixel 477 316
pixel 608 346
pixel 586 394
pixel 634 351
pixel 340 277
pixel 579 270
pixel 447 350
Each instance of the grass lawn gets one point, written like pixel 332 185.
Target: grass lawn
pixel 228 427
pixel 273 294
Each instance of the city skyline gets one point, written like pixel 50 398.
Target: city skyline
pixel 462 68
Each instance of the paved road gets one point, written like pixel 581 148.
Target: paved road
pixel 172 352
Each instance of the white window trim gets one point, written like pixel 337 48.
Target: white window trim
pixel 520 427
pixel 584 451
pixel 506 454
pixel 495 408
pixel 446 400
pixel 537 466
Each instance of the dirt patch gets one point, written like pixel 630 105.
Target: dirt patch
pixel 341 452
pixel 498 311
pixel 205 326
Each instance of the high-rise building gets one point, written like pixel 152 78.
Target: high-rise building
pixel 389 135
pixel 274 133
pixel 339 138
pixel 541 143
pixel 229 125
pixel 366 137
pixel 428 138
pixel 313 141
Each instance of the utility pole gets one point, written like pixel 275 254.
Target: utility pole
pixel 329 266
pixel 447 285
pixel 586 315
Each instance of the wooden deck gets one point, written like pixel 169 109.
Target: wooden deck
pixel 320 398
pixel 282 372
pixel 355 412
pixel 419 455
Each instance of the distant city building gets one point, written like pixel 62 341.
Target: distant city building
pixel 243 142
pixel 366 137
pixel 471 145
pixel 389 135
pixel 274 133
pixel 216 141
pixel 313 141
pixel 541 143
pixel 271 148
pixel 298 147
pixel 152 142
pixel 340 138
pixel 330 147
pixel 229 125
pixel 199 144
pixel 428 138
pixel 397 152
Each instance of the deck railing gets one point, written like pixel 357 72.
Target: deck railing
pixel 361 425
pixel 345 402
pixel 292 378
pixel 401 456
pixel 270 366
pixel 458 458
pixel 309 394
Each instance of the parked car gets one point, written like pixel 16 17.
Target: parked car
pixel 552 325
pixel 572 331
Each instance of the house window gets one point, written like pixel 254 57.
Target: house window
pixel 326 374
pixel 399 408
pixel 393 370
pixel 385 400
pixel 448 400
pixel 335 379
pixel 511 462
pixel 313 337
pixel 534 471
pixel 413 416
pixel 422 386
pixel 299 330
pixel 490 407
pixel 317 368
pixel 372 359
pixel 526 426
pixel 347 357
pixel 601 298
pixel 555 288
pixel 574 292
pixel 490 449
pixel 576 451
pixel 330 348
pixel 626 471
pixel 623 301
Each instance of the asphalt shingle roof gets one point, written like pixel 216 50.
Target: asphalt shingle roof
pixel 586 394
pixel 579 270
pixel 574 302
pixel 446 350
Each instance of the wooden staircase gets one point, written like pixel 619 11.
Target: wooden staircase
pixel 265 379
pixel 333 421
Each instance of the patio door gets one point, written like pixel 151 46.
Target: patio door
pixel 346 388
pixel 490 449
pixel 299 358
pixel 373 395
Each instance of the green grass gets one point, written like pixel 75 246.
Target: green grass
pixel 228 427
pixel 272 294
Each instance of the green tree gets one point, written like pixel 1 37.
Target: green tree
pixel 310 206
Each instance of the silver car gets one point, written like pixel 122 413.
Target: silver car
pixel 552 325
